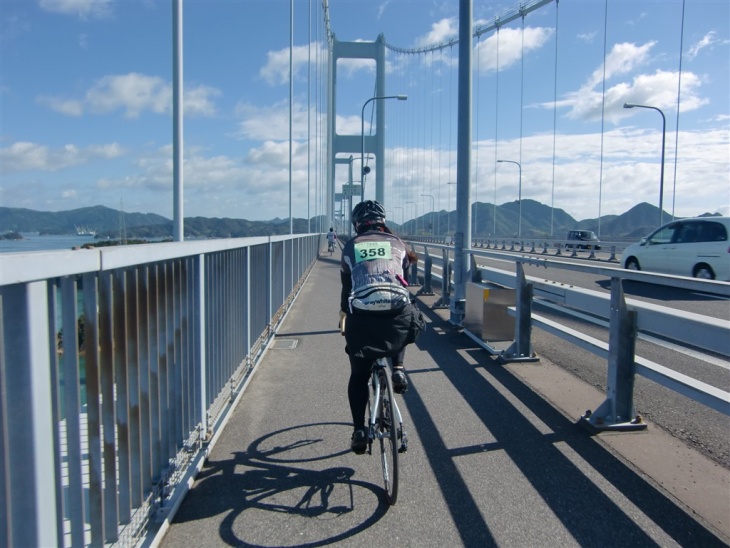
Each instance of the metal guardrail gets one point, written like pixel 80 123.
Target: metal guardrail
pixel 626 319
pixel 117 368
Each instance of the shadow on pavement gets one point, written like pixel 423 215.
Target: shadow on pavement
pixel 266 479
pixel 585 510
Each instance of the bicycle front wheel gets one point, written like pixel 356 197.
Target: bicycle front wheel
pixel 388 436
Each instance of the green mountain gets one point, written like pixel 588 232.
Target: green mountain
pixel 97 219
pixel 537 220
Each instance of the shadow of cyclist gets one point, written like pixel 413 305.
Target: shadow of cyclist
pixel 263 479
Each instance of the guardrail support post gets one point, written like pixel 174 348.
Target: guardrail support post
pixel 413 278
pixel 617 410
pixel 428 264
pixel 444 301
pixel 521 348
pixel 476 274
pixel 613 254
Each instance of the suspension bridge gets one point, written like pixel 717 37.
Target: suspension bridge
pixel 195 392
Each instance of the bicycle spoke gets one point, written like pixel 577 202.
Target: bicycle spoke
pixel 388 434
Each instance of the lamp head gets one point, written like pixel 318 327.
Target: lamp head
pixel 401 97
pixel 629 105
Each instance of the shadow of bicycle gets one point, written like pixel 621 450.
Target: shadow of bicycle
pixel 280 476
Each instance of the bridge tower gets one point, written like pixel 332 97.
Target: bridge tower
pixel 353 144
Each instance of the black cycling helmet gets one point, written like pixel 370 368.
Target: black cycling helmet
pixel 366 214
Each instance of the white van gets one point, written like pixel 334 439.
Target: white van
pixel 697 247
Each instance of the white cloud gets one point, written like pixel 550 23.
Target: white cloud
pixel 350 67
pixel 134 93
pixel 381 8
pixel 25 156
pixel 68 107
pixel 276 69
pixel 587 37
pixel 658 89
pixel 442 31
pixel 707 41
pixel 622 59
pixel 272 123
pixel 511 48
pixel 85 9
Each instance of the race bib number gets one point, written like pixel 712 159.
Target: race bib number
pixel 369 251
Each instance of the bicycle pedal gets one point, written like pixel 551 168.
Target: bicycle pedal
pixel 404 442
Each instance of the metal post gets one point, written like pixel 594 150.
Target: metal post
pixel 661 175
pixel 178 232
pixel 365 169
pixel 444 301
pixel 617 410
pixel 462 236
pixel 200 315
pixel 427 268
pixel 521 349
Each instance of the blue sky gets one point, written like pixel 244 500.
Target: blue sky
pixel 86 104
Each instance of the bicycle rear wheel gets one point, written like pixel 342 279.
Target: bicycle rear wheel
pixel 388 436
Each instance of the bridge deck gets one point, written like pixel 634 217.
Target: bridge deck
pixel 495 456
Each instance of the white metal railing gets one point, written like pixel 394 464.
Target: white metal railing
pixel 117 366
pixel 626 319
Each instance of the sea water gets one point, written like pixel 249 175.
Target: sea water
pixel 34 242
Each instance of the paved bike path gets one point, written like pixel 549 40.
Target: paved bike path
pixel 491 461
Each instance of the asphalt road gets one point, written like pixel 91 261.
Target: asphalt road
pixel 495 456
pixel 699 426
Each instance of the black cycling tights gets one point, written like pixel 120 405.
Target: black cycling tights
pixel 358 389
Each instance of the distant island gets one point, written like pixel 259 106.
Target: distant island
pixel 11 236
pixel 111 227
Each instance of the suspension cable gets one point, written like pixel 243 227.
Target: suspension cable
pixel 476 153
pixel 522 109
pixel 496 135
pixel 500 20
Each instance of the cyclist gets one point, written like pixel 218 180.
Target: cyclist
pixel 331 239
pixel 381 319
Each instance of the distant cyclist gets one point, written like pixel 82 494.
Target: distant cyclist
pixel 331 239
pixel 381 319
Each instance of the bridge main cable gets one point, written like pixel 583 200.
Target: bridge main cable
pixel 498 21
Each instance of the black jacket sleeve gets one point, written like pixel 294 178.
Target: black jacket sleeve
pixel 346 289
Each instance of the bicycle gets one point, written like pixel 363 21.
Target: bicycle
pixel 331 247
pixel 382 409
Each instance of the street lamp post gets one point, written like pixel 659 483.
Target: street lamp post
pixel 432 206
pixel 415 215
pixel 661 176
pixel 519 195
pixel 366 169
pixel 448 211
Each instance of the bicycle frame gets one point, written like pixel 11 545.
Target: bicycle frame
pixel 373 433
